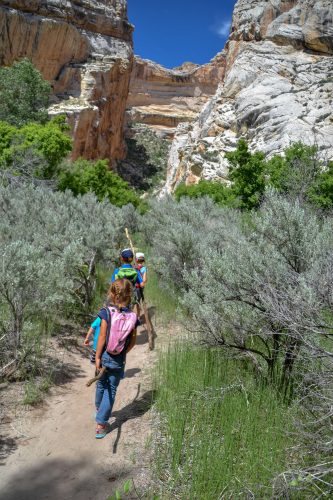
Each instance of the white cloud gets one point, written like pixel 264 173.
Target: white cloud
pixel 223 29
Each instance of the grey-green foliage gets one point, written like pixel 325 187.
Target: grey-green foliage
pixel 260 286
pixel 259 289
pixel 50 245
pixel 175 231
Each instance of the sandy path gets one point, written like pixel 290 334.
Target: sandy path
pixel 51 452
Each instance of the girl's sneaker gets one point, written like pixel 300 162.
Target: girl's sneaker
pixel 102 431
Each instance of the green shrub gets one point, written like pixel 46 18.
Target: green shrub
pixel 34 150
pixel 84 176
pixel 247 175
pixel 24 94
pixel 218 192
pixel 299 173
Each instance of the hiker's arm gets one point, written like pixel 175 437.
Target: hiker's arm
pixel 133 341
pixel 101 343
pixel 145 278
pixel 89 333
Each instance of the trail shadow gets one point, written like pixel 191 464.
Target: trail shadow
pixel 74 344
pixel 7 446
pixel 142 338
pixel 135 409
pixel 131 372
pixel 152 312
pixel 67 373
pixel 61 373
pixel 54 479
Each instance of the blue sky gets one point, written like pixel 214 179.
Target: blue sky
pixel 174 31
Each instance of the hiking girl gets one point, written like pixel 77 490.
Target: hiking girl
pixel 117 337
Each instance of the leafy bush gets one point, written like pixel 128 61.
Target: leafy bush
pixel 218 192
pixel 34 150
pixel 84 176
pixel 259 287
pixel 24 94
pixel 299 174
pixel 247 175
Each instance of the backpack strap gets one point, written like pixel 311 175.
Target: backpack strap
pixel 108 321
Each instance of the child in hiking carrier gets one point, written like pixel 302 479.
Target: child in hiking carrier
pixel 117 337
pixel 93 331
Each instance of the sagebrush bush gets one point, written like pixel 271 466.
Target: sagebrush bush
pixel 50 246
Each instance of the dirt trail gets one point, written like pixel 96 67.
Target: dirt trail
pixel 50 453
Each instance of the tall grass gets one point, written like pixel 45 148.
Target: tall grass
pixel 163 302
pixel 219 434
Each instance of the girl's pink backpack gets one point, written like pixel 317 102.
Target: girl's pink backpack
pixel 120 325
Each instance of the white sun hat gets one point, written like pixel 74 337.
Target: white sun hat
pixel 139 255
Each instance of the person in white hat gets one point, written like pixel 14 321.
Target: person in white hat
pixel 140 265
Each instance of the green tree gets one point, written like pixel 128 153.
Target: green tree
pixel 24 94
pixel 320 193
pixel 247 174
pixel 84 176
pixel 301 174
pixel 7 132
pixel 34 149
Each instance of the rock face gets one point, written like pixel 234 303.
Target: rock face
pixel 162 98
pixel 277 89
pixel 84 48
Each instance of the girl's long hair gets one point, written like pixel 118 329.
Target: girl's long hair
pixel 120 292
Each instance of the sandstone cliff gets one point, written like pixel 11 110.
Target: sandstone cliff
pixel 84 48
pixel 163 98
pixel 277 89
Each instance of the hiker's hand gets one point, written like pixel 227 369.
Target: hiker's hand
pixel 98 364
pixel 86 341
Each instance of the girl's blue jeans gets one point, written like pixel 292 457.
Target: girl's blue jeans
pixel 107 386
pixel 106 389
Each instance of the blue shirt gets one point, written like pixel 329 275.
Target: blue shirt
pixel 128 266
pixel 96 326
pixel 143 270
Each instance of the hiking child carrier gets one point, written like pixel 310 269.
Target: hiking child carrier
pixel 120 325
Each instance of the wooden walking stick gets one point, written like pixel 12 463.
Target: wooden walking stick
pixel 144 304
pixel 97 377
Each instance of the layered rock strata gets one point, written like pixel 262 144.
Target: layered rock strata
pixel 84 48
pixel 277 89
pixel 162 98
